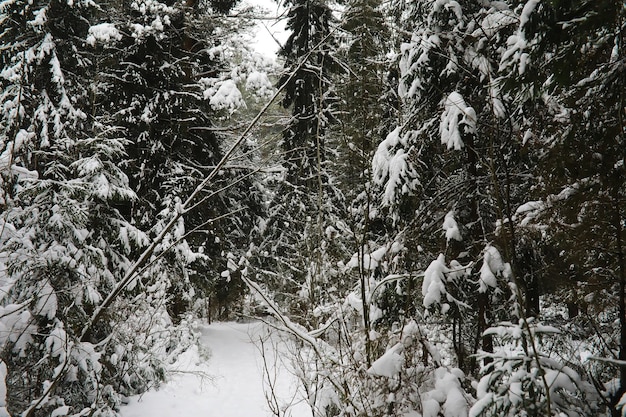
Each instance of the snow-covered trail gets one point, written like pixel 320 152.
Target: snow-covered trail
pixel 233 381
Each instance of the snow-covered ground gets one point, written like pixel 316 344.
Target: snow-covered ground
pixel 230 383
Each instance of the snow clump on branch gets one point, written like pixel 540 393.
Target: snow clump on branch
pixel 104 33
pixel 492 267
pixel 455 108
pixel 451 227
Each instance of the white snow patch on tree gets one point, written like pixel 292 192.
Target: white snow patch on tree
pixel 390 364
pixel 529 212
pixel 517 43
pixel 60 411
pixel 7 167
pixel 391 168
pixel 449 5
pixel 367 261
pixel 57 344
pixel 530 206
pixel 487 278
pixel 104 33
pixel 46 301
pixel 16 326
pixel 492 267
pixel 497 105
pixel 494 22
pixel 224 95
pixel 86 357
pixel 447 397
pixel 529 7
pixel 433 286
pixel 451 227
pixel 259 84
pixel 456 113
pixel 354 301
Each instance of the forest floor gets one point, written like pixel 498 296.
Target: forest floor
pixel 228 380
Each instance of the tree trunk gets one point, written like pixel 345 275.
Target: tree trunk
pixel 476 235
pixel 532 293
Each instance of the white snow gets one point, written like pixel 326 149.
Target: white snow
pixel 493 266
pixel 499 110
pixel 20 321
pixel 230 383
pixel 391 167
pixel 529 7
pixel 104 33
pixel 390 364
pixel 495 22
pixel 433 286
pixel 530 206
pixel 456 112
pixel 60 411
pixel 56 344
pixel 225 95
pixel 259 84
pixel 430 407
pixel 517 42
pixel 367 261
pixel 487 278
pixel 447 396
pixel 449 5
pixel 451 227
pixel 40 18
pixel 46 301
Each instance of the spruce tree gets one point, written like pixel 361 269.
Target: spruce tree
pixel 575 84
pixel 297 241
pixel 364 118
pixel 62 250
pixel 106 127
pixel 166 88
pixel 447 154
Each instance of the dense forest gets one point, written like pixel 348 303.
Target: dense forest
pixel 428 196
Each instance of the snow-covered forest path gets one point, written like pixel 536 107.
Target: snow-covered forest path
pixel 230 383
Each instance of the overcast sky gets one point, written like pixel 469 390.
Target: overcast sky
pixel 262 38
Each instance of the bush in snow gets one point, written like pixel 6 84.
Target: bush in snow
pixel 520 379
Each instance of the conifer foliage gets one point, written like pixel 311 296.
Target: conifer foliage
pixel 307 92
pixel 163 89
pixel 305 214
pixel 61 247
pixel 98 150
